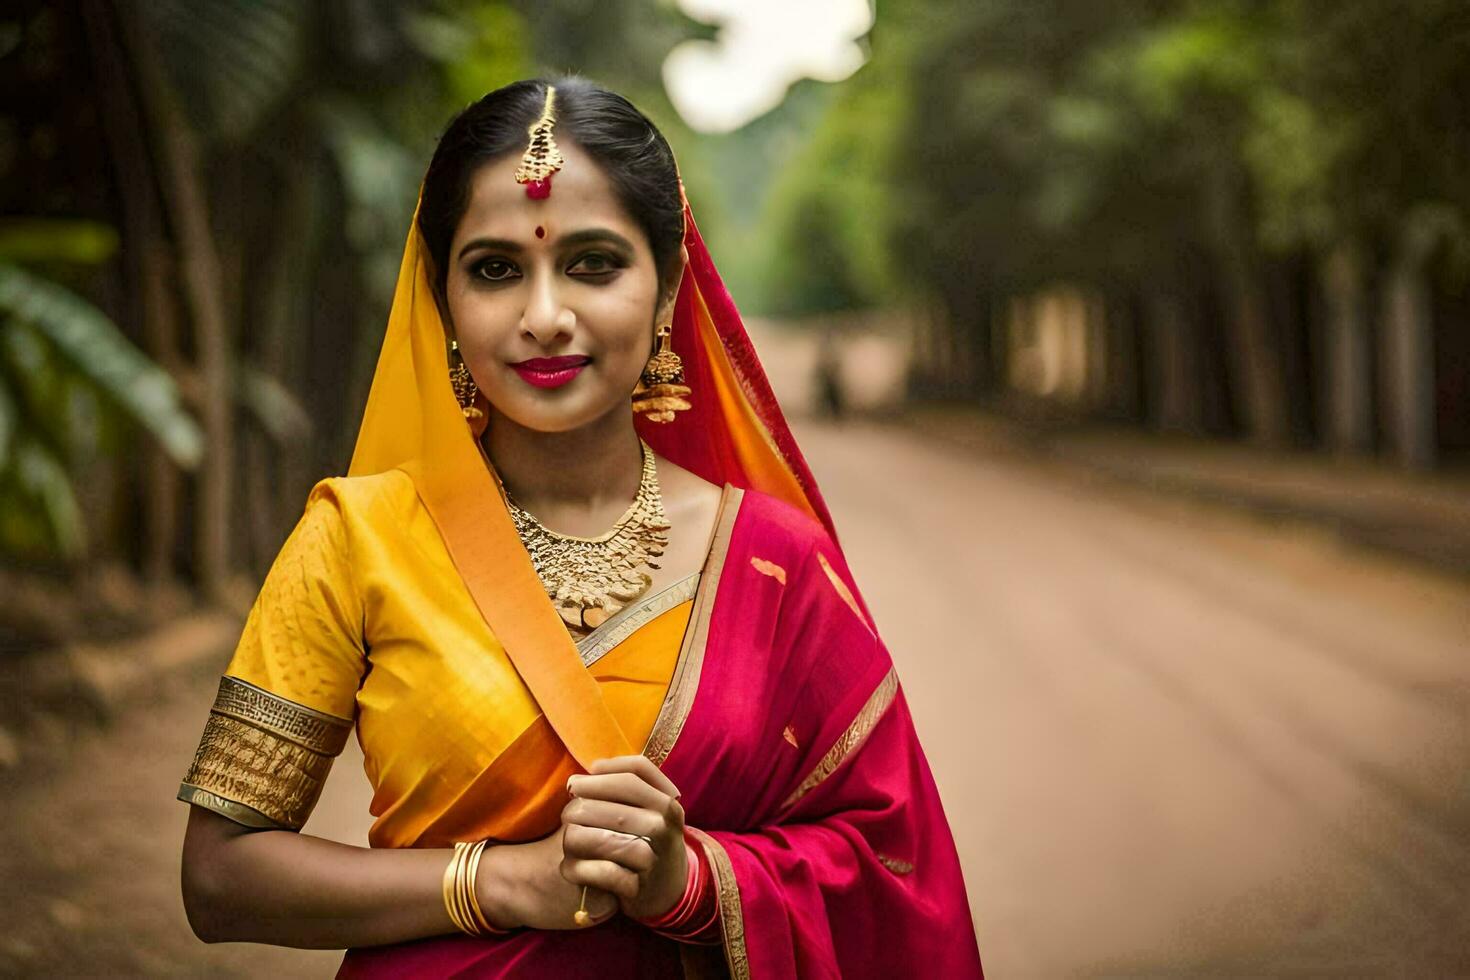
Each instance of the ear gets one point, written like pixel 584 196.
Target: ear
pixel 441 302
pixel 665 311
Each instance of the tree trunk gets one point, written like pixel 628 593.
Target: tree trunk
pixel 279 482
pixel 1408 347
pixel 163 497
pixel 952 368
pixel 1125 372
pixel 148 265
pixel 930 335
pixel 1097 375
pixel 980 350
pixel 1348 421
pixel 1258 389
pixel 185 199
pixel 1174 366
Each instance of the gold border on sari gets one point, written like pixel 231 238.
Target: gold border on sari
pixel 262 759
pixel 238 812
pixel 685 682
pixel 311 729
pixel 851 738
pixel 732 918
pixel 634 617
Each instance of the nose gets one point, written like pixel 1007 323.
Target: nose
pixel 546 318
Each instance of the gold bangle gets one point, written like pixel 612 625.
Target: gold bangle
pixel 460 883
pixel 459 891
pixel 451 872
pixel 451 889
pixel 467 885
pixel 454 876
pixel 476 914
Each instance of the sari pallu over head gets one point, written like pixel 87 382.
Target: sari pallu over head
pixel 795 753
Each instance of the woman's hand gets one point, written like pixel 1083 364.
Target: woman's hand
pixel 522 885
pixel 624 832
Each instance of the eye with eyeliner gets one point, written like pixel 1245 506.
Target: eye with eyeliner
pixel 482 270
pixel 611 263
pixel 496 270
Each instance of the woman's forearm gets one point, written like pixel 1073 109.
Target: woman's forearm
pixel 289 889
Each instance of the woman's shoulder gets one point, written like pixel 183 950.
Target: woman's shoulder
pixel 781 523
pixel 374 498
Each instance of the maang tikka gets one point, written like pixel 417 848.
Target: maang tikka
pixel 542 158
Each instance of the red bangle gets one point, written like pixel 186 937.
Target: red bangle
pixel 694 917
pixel 681 908
pixel 700 923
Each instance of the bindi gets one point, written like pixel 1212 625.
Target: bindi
pixel 540 232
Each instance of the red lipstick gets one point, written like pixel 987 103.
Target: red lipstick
pixel 551 372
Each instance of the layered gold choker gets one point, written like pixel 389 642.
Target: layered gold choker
pixel 590 579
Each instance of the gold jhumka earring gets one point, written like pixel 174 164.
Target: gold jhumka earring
pixel 661 392
pixel 465 389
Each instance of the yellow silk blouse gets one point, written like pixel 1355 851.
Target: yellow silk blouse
pixel 363 619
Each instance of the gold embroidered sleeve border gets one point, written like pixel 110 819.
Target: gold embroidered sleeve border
pixel 262 759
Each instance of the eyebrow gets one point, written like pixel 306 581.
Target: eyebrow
pixel 571 238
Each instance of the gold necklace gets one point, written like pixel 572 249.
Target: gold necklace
pixel 590 579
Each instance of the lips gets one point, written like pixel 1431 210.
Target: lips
pixel 551 372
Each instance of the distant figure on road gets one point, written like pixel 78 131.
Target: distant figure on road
pixel 830 398
pixel 661 740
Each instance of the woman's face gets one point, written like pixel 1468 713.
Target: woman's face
pixel 554 302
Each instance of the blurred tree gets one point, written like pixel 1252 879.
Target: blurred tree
pixel 66 374
pixel 997 166
pixel 827 216
pixel 1367 158
pixel 1191 162
pixel 260 165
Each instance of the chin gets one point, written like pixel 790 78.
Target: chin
pixel 549 415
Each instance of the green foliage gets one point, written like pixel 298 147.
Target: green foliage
pixel 378 176
pixel 41 314
pixel 231 62
pixel 1105 141
pixel 1295 150
pixel 65 371
pixel 311 125
pixel 272 405
pixel 825 241
pixel 826 223
pixel 478 46
pixel 56 240
pixel 1214 53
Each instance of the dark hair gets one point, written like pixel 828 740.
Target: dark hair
pixel 630 149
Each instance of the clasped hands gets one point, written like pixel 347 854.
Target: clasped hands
pixel 598 860
pixel 623 836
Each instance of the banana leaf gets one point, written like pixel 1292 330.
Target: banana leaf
pixel 92 344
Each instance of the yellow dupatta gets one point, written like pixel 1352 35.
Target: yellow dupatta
pixel 413 423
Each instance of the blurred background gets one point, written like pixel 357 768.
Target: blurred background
pixel 1129 339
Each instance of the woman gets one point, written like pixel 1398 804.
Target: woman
pixel 676 747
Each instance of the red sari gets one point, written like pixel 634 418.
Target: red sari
pixel 800 769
